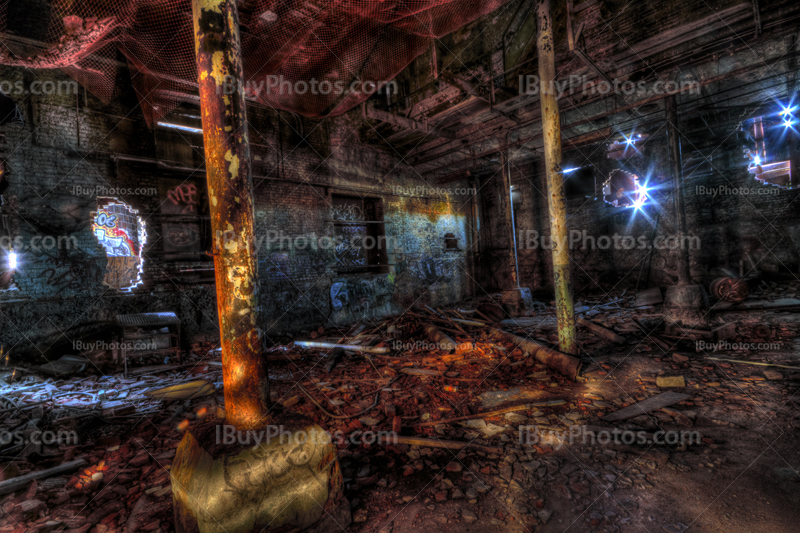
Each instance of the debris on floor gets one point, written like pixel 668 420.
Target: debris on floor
pixel 460 413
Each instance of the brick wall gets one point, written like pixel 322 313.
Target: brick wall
pixel 74 148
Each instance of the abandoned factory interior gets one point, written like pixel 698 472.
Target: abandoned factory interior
pixel 399 266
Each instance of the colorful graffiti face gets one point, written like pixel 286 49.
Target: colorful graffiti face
pixel 121 232
pixel 118 235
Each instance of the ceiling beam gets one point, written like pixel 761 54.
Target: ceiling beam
pixel 454 81
pixel 405 123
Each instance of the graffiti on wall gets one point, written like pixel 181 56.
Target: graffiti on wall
pixel 183 229
pixel 293 268
pixel 350 253
pixel 121 232
pixel 346 212
pixel 71 274
pixel 181 237
pixel 277 266
pixel 184 199
pixel 117 241
pixel 432 270
pixel 362 298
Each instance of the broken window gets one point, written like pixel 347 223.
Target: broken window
pixel 579 183
pixel 358 233
pixel 121 232
pixel 622 189
pixel 770 146
pixel 10 113
pixel 627 147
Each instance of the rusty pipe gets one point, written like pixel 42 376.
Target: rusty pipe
pixel 474 247
pixel 508 214
pixel 551 125
pixel 565 364
pixel 230 192
pixel 350 347
pixel 678 200
pixel 441 339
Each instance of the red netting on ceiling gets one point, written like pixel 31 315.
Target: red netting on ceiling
pixel 335 41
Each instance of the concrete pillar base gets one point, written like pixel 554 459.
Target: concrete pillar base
pixel 221 481
pixel 686 305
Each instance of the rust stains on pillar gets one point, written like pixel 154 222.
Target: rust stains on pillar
pixel 676 166
pixel 230 194
pixel 557 200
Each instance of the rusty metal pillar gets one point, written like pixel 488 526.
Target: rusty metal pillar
pixel 505 195
pixel 565 310
pixel 230 193
pixel 676 166
pixel 475 246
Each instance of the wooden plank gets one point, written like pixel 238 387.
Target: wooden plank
pixel 601 331
pixel 439 443
pixel 17 483
pixel 570 36
pixel 495 412
pixel 665 399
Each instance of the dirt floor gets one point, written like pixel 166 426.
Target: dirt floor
pixel 728 459
pixel 742 477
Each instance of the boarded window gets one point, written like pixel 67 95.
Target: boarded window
pixel 186 225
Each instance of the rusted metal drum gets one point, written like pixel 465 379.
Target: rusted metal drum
pixel 730 289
